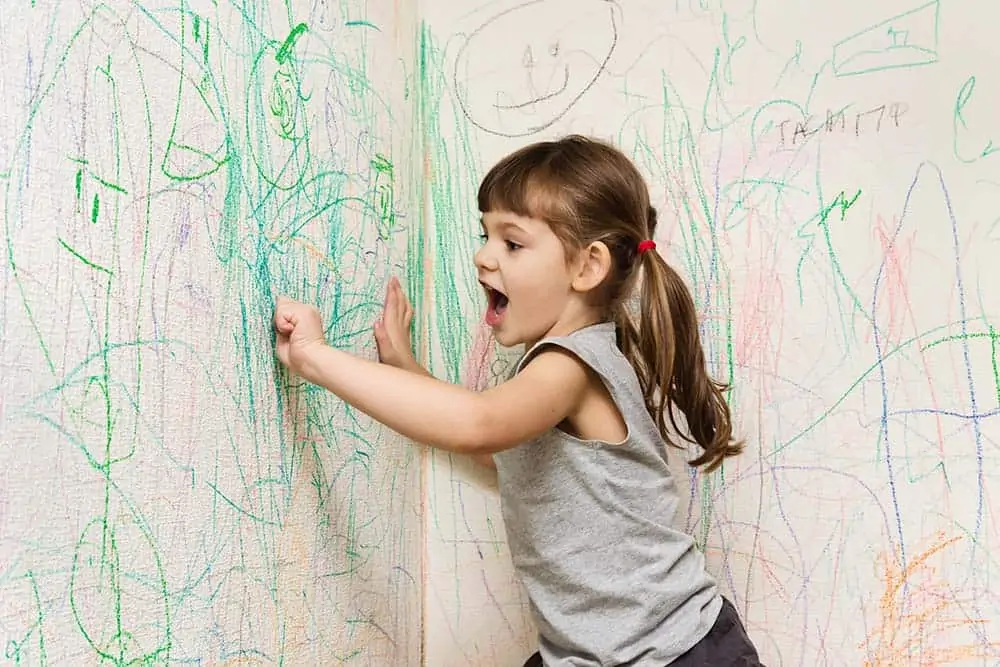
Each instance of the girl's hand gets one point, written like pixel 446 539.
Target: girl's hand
pixel 392 332
pixel 300 330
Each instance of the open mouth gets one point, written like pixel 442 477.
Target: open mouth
pixel 497 303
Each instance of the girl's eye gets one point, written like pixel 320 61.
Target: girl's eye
pixel 512 246
pixel 484 237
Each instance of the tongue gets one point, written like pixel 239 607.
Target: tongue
pixel 495 311
pixel 493 316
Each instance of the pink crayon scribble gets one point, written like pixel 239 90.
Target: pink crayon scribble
pixel 760 321
pixel 476 374
pixel 895 303
pixel 895 298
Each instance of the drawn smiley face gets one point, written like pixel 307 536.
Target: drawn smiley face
pixel 522 70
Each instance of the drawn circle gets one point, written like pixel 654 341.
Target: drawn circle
pixel 276 118
pixel 525 68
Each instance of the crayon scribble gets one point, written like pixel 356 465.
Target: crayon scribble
pixel 843 265
pixel 825 180
pixel 169 496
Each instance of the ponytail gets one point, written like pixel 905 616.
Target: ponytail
pixel 664 347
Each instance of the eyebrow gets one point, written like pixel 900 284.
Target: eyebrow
pixel 504 224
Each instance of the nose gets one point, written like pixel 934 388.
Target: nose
pixel 484 259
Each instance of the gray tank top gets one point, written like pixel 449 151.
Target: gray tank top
pixel 589 525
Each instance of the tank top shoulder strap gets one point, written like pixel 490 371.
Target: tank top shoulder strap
pixel 591 344
pixel 597 347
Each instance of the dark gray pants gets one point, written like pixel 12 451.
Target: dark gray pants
pixel 725 645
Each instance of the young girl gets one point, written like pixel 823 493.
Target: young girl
pixel 578 434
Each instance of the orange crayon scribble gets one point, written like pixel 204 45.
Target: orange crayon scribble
pixel 322 258
pixel 920 630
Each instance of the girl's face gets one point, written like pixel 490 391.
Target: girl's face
pixel 528 280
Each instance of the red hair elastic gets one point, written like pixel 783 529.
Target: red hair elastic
pixel 648 244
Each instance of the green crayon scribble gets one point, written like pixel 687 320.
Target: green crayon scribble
pixel 994 338
pixel 83 259
pixel 361 24
pixel 891 44
pixel 109 184
pixel 914 342
pixel 958 119
pixel 841 201
pixel 282 55
pixel 384 194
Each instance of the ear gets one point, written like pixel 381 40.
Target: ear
pixel 592 266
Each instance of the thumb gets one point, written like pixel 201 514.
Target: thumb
pixel 285 318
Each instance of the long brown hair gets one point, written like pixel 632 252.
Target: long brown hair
pixel 588 191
